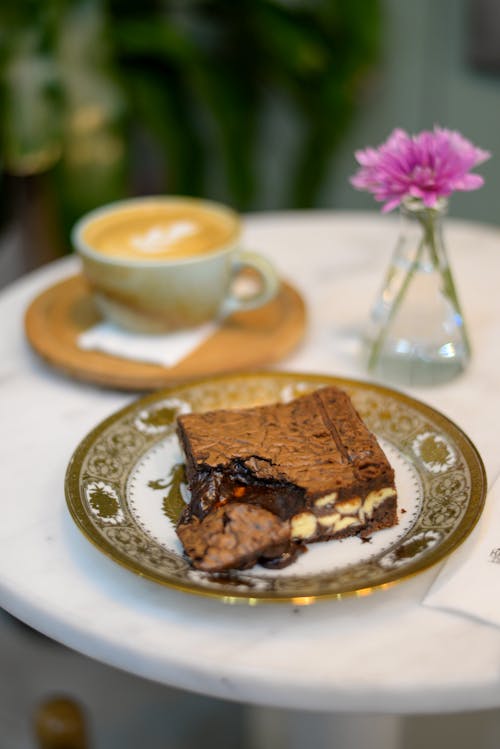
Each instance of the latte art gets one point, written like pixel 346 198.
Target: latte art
pixel 161 230
pixel 157 240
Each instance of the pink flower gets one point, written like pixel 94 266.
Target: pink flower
pixel 428 166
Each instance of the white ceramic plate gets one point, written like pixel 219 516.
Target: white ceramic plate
pixel 124 488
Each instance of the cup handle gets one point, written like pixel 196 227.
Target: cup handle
pixel 269 283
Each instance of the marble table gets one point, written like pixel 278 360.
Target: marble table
pixel 382 653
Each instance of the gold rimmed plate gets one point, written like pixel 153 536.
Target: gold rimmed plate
pixel 125 491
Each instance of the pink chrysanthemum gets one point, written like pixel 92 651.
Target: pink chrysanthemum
pixel 427 166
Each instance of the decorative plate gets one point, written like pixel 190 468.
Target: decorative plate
pixel 125 490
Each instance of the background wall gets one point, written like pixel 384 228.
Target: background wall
pixel 426 78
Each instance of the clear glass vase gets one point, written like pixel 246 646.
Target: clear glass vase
pixel 417 334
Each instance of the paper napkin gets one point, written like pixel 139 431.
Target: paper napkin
pixel 164 349
pixel 469 582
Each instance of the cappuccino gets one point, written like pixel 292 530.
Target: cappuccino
pixel 160 264
pixel 160 229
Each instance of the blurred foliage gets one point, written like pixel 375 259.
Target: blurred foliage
pixel 111 98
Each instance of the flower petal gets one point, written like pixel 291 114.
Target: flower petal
pixel 426 166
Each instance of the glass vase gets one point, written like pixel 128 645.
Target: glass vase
pixel 417 334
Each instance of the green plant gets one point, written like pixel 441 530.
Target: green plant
pixel 119 97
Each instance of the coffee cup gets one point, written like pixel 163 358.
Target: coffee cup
pixel 161 264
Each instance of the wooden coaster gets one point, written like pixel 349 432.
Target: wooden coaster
pixel 246 340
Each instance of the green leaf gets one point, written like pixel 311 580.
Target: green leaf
pixel 231 107
pixel 291 40
pixel 161 104
pixel 153 38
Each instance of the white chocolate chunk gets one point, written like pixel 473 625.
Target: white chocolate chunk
pixel 328 499
pixel 374 499
pixel 345 522
pixel 349 506
pixel 303 525
pixel 348 512
pixel 336 522
pixel 328 521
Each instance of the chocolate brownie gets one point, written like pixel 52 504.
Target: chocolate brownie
pixel 311 463
pixel 232 536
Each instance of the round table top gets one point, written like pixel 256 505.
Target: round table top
pixel 381 653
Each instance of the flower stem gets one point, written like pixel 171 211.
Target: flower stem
pixel 428 221
pixel 380 340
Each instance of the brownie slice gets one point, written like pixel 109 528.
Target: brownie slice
pixel 233 536
pixel 312 463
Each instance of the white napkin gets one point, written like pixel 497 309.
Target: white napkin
pixel 469 582
pixel 163 349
